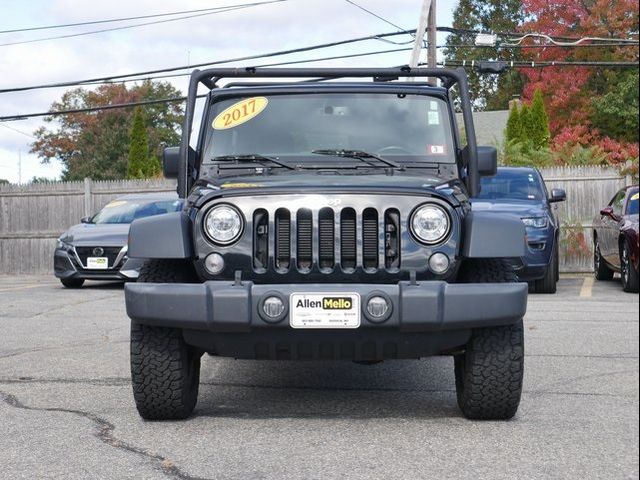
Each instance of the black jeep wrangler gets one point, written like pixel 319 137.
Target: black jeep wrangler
pixel 328 220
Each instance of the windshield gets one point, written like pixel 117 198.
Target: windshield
pixel 632 206
pixel 510 185
pixel 406 127
pixel 126 211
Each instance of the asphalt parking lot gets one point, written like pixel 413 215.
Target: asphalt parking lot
pixel 66 407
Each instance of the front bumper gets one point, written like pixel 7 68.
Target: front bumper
pixel 67 266
pixel 427 317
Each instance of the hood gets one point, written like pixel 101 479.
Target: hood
pixel 104 235
pixel 409 182
pixel 523 209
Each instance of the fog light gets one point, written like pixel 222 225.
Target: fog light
pixel 273 307
pixel 214 263
pixel 439 263
pixel 377 307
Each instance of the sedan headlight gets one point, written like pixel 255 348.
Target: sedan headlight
pixel 223 224
pixel 63 246
pixel 430 224
pixel 535 222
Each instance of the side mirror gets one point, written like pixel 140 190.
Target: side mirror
pixel 607 212
pixel 557 195
pixel 487 161
pixel 85 220
pixel 171 162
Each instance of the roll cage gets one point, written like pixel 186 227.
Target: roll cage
pixel 210 77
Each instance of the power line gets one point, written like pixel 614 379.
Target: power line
pixel 374 14
pixel 125 27
pixel 16 130
pixel 462 63
pixel 205 64
pixel 111 20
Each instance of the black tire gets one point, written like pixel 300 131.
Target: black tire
pixel 628 273
pixel 600 269
pixel 487 270
pixel 489 373
pixel 165 371
pixel 72 282
pixel 547 284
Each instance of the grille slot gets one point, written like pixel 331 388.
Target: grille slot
pixel 348 240
pixel 370 238
pixel 304 239
pixel 392 239
pixel 283 239
pixel 326 240
pixel 260 239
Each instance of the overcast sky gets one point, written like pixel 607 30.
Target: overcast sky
pixel 260 29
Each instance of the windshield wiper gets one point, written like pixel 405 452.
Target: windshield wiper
pixel 359 154
pixel 253 157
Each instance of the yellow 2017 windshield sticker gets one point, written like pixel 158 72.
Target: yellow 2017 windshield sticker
pixel 635 197
pixel 240 112
pixel 115 203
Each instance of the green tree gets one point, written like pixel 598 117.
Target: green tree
pixel 488 92
pixel 3 181
pixel 526 121
pixel 538 132
pixel 96 144
pixel 513 132
pixel 138 147
pixel 616 113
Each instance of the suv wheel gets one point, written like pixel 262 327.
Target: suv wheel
pixel 627 272
pixel 489 373
pixel 547 284
pixel 165 371
pixel 72 282
pixel 601 271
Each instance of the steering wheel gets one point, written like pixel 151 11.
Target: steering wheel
pixel 391 148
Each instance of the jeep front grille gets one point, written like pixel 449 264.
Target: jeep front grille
pixel 326 239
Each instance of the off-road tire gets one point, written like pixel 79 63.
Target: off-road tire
pixel 489 374
pixel 628 273
pixel 165 371
pixel 72 282
pixel 487 270
pixel 490 371
pixel 547 284
pixel 600 269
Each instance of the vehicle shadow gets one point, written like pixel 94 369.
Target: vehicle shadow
pixel 106 285
pixel 328 390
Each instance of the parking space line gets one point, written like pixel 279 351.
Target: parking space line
pixel 587 287
pixel 25 287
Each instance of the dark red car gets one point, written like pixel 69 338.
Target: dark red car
pixel 615 239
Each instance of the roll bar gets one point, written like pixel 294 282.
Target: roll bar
pixel 449 77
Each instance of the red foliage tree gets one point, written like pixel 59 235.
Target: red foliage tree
pixel 569 92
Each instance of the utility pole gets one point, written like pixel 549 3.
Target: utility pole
pixel 426 22
pixel 432 55
pixel 420 31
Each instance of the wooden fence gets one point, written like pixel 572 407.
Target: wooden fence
pixel 33 216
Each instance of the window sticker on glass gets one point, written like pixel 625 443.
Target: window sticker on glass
pixel 436 150
pixel 433 105
pixel 433 118
pixel 239 113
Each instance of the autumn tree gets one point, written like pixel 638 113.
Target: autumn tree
pixel 96 144
pixel 488 92
pixel 570 91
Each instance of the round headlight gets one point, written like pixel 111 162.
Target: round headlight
pixel 223 224
pixel 430 224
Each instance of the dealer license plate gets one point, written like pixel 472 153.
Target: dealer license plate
pixel 324 310
pixel 98 263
